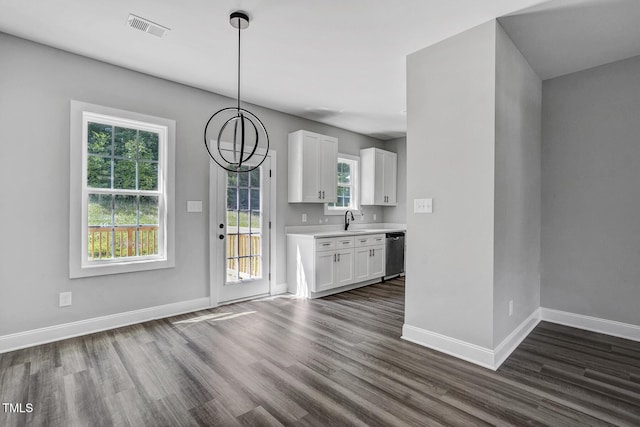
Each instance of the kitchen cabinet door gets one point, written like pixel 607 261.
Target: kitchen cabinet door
pixel 390 172
pixel 325 271
pixel 361 264
pixel 379 177
pixel 310 168
pixel 313 160
pixel 328 176
pixel 344 268
pixel 377 261
pixel 379 195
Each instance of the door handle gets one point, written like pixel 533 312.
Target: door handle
pixel 221 236
pixel 221 225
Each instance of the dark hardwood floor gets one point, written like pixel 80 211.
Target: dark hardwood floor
pixel 328 362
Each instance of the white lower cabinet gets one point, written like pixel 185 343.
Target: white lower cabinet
pixel 333 263
pixel 377 261
pixel 362 262
pixel 333 269
pixel 325 271
pixel 318 265
pixel 369 257
pixel 344 268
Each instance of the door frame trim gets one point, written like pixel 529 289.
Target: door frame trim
pixel 215 264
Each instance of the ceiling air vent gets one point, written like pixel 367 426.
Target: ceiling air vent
pixel 145 25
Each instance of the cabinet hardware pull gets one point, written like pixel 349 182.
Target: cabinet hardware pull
pixel 334 257
pixel 323 194
pixel 319 194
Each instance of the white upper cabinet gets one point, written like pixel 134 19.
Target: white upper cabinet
pixel 378 177
pixel 313 160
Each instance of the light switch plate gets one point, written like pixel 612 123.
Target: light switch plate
pixel 423 205
pixel 194 205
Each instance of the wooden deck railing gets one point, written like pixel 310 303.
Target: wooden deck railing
pixel 117 242
pixel 122 241
pixel 237 254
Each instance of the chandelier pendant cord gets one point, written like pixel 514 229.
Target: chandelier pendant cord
pixel 247 131
pixel 239 31
pixel 240 116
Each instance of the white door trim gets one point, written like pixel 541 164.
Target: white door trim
pixel 216 260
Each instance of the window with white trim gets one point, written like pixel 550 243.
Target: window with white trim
pixel 121 191
pixel 347 191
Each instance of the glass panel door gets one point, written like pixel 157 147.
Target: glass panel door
pixel 246 232
pixel 244 225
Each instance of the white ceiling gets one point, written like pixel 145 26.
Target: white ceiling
pixel 340 62
pixel 565 36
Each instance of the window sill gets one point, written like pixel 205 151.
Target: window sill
pixel 104 269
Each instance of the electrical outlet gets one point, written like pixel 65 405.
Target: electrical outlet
pixel 65 299
pixel 510 307
pixel 304 217
pixel 374 216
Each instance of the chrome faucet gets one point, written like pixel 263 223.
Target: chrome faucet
pixel 346 219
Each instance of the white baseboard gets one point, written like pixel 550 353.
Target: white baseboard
pixel 461 349
pixel 279 288
pixel 513 340
pixel 485 357
pixel 83 327
pixel 593 324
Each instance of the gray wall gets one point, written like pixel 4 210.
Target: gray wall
pixel 36 84
pixel 517 188
pixel 591 192
pixel 450 158
pixel 398 214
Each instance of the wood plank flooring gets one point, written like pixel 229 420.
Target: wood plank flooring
pixel 328 362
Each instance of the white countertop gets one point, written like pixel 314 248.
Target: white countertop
pixel 319 231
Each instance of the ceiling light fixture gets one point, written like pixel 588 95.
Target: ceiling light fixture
pixel 242 130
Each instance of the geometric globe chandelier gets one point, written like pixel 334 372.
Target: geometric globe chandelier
pixel 240 140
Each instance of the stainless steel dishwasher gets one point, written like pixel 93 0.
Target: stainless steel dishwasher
pixel 394 249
